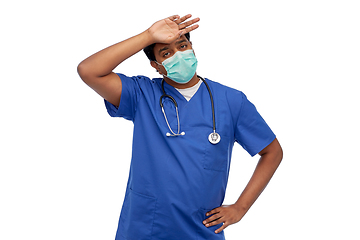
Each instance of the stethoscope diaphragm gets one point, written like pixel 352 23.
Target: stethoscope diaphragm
pixel 214 138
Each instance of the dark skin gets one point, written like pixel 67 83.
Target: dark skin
pixel 168 34
pixel 165 51
pixel 270 158
pixel 97 70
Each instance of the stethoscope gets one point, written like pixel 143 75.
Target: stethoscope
pixel 213 138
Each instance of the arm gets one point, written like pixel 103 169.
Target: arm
pixel 97 70
pixel 271 157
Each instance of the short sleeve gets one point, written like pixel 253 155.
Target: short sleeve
pixel 130 95
pixel 251 130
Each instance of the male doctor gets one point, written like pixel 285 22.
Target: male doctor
pixel 179 168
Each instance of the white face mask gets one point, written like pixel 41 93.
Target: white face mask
pixel 181 67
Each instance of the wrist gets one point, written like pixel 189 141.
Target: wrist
pixel 241 207
pixel 148 37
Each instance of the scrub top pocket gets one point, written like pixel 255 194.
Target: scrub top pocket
pixel 137 216
pixel 216 155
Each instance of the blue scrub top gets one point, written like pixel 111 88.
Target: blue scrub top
pixel 174 181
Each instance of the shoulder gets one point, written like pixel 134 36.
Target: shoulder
pixel 139 81
pixel 138 78
pixel 229 99
pixel 229 93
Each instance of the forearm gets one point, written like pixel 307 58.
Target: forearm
pixel 97 70
pixel 264 171
pixel 271 157
pixel 105 61
pixel 164 31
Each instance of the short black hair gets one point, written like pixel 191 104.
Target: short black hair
pixel 149 50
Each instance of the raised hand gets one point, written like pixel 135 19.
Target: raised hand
pixel 97 70
pixel 169 29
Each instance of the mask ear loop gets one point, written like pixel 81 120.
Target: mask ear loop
pixel 158 70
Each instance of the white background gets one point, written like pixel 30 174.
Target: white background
pixel 64 161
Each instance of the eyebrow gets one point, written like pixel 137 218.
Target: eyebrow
pixel 181 41
pixel 167 48
pixel 163 49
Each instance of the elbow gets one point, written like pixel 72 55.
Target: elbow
pixel 280 154
pixel 87 73
pixel 83 72
pixel 274 152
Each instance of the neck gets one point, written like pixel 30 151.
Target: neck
pixel 189 84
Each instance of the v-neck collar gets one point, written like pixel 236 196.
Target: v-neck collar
pixel 184 107
pixel 189 92
pixel 172 91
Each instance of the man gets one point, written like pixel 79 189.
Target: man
pixel 184 131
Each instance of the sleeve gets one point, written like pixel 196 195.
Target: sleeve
pixel 130 95
pixel 251 130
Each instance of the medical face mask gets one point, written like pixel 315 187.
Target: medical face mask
pixel 181 67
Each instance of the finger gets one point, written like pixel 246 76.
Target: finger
pixel 215 222
pixel 174 17
pixel 214 211
pixel 180 20
pixel 211 219
pixel 221 228
pixel 188 23
pixel 189 29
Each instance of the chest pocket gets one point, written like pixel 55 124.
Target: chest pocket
pixel 216 156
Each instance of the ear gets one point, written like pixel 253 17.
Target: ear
pixel 160 69
pixel 154 65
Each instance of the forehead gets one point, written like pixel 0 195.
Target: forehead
pixel 159 46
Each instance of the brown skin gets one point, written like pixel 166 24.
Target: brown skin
pixel 97 72
pixel 165 51
pixel 271 156
pixel 270 159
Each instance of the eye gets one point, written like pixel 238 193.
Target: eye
pixel 183 46
pixel 166 54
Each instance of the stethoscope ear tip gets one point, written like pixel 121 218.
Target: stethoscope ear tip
pixel 174 134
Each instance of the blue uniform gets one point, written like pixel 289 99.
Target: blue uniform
pixel 174 181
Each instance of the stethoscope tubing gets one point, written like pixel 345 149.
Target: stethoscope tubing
pixel 212 135
pixel 212 103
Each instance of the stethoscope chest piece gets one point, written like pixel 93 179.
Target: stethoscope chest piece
pixel 214 138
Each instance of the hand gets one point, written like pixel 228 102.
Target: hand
pixel 171 28
pixel 225 214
